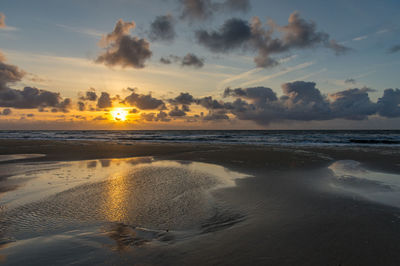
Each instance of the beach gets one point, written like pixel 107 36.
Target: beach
pixel 107 203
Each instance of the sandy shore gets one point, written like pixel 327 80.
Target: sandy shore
pixel 293 210
pixel 385 158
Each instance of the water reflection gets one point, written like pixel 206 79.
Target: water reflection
pixel 115 208
pixel 136 200
pixel 162 195
pixel 91 164
pixel 105 162
pixel 376 186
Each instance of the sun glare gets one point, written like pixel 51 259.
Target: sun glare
pixel 119 114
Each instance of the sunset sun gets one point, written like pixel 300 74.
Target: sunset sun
pixel 119 114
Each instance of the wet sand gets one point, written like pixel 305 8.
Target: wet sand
pixel 185 204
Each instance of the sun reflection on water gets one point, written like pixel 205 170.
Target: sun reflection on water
pixel 115 207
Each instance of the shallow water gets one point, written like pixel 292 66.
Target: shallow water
pixel 14 157
pixel 352 177
pixel 132 202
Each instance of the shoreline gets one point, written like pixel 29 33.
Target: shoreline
pixel 375 158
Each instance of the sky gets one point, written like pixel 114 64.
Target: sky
pixel 199 64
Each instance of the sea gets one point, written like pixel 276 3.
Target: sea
pixel 252 137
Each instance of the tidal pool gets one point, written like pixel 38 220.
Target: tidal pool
pixel 133 201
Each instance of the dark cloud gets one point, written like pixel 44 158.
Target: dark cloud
pixel 394 49
pixel 2 20
pixel 352 104
pixel 232 34
pixel 297 34
pixel 165 61
pixel 203 9
pixel 192 60
pixel 8 73
pixel 163 117
pixel 183 98
pixel 302 101
pixel 350 81
pixel 122 49
pixel 89 96
pixel 162 29
pixel 188 60
pixel 389 104
pixel 176 112
pixel 81 106
pixel 150 117
pixel 33 98
pixel 209 103
pixel 64 105
pixel 216 115
pixel 6 111
pixel 256 94
pixel 143 101
pixel 104 101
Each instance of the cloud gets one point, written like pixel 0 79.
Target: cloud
pixel 143 102
pixel 192 60
pixel 352 104
pixel 104 101
pixel 176 112
pixel 394 49
pixel 203 9
pixel 2 21
pixel 8 73
pixel 237 33
pixel 389 104
pixel 216 115
pixel 188 60
pixel 162 116
pixel 162 29
pixel 150 117
pixel 6 111
pixel 81 106
pixel 29 98
pixel 231 35
pixel 122 49
pixel 302 101
pixel 209 103
pixel 89 96
pixel 196 9
pixel 256 94
pixel 350 81
pixel 165 61
pixel 183 98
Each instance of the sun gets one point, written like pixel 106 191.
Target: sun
pixel 119 114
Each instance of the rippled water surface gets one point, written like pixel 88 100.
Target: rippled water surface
pixel 134 200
